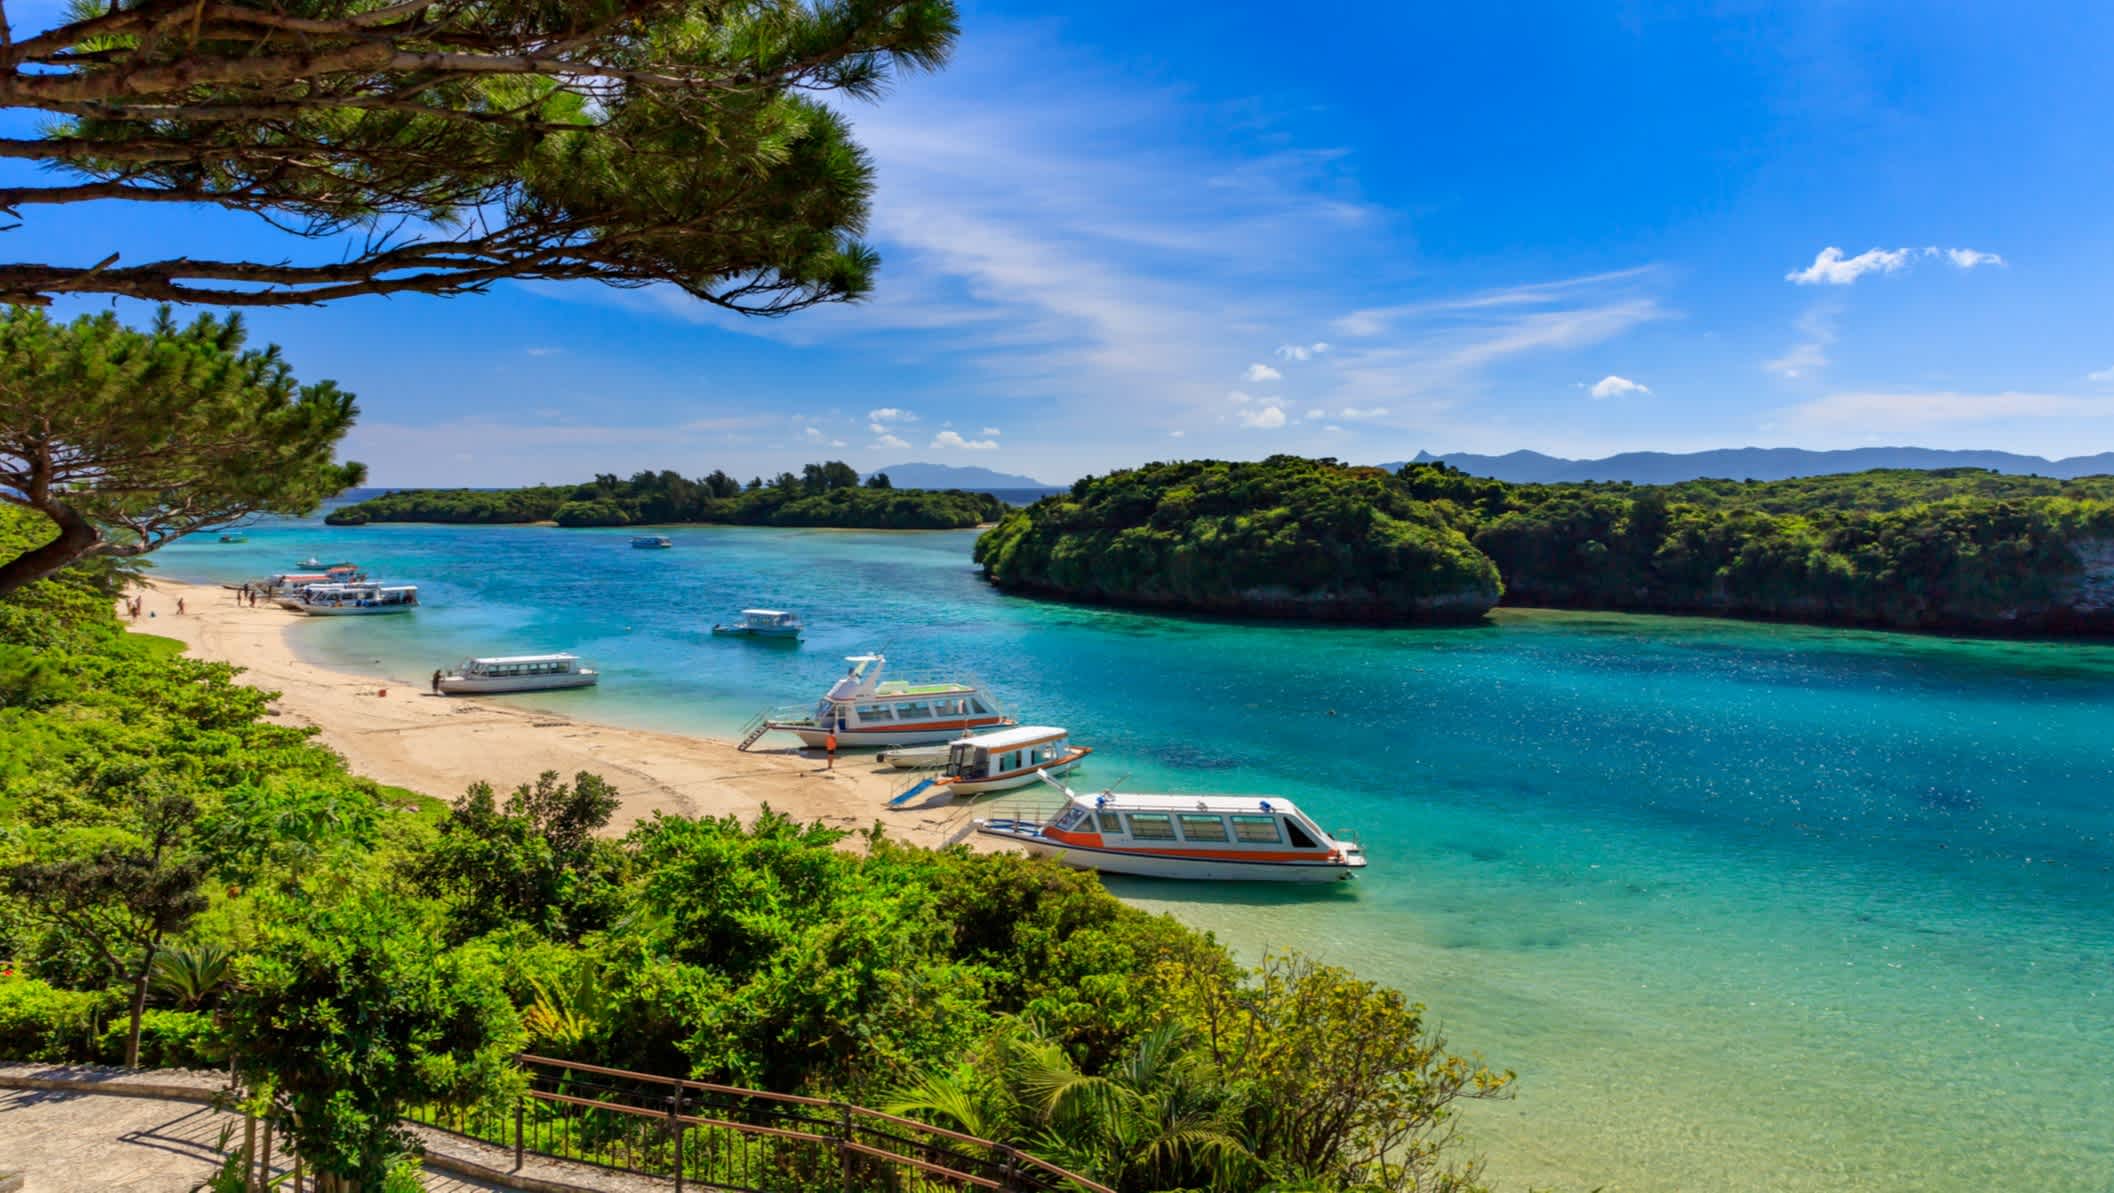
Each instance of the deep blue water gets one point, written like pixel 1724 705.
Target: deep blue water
pixel 1749 907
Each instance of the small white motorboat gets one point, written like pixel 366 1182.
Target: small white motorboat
pixel 652 542
pixel 346 600
pixel 1015 757
pixel 763 623
pixel 311 564
pixel 234 538
pixel 516 673
pixel 862 709
pixel 1224 838
pixel 915 757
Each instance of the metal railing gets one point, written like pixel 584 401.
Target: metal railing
pixel 749 1141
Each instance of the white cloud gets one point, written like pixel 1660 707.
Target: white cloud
pixel 890 441
pixel 1301 351
pixel 1176 434
pixel 1893 413
pixel 1268 418
pixel 1238 398
pixel 1809 356
pixel 890 414
pixel 1315 413
pixel 1612 386
pixel 1831 268
pixel 814 434
pixel 952 441
pixel 991 432
pixel 1969 258
pixel 2103 376
pixel 1354 413
pixel 1261 372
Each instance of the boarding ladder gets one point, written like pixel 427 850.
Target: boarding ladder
pixel 754 730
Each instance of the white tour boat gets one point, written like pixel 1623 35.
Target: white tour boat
pixel 517 673
pixel 762 623
pixel 1008 758
pixel 344 600
pixel 652 542
pixel 1241 838
pixel 862 709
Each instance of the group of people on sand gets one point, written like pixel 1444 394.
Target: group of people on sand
pixel 138 605
pixel 248 594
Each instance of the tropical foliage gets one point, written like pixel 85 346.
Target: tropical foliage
pixel 439 146
pixel 126 440
pixel 1954 549
pixel 1283 537
pixel 826 494
pixel 355 954
pixel 1960 549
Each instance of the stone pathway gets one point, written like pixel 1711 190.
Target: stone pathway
pixel 60 1142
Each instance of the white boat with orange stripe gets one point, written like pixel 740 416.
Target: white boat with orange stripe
pixel 1008 758
pixel 1223 838
pixel 863 710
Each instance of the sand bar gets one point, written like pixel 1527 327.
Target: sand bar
pixel 439 745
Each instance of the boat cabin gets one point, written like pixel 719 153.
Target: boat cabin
pixel 1178 821
pixel 512 666
pixel 769 619
pixel 862 709
pixel 1009 751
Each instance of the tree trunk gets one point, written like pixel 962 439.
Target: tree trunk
pixel 139 1007
pixel 77 537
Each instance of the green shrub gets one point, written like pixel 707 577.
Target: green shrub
pixel 41 1022
pixel 167 1040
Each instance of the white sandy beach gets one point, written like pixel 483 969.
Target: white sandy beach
pixel 394 731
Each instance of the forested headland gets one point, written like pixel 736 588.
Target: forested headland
pixel 183 882
pixel 828 494
pixel 1959 550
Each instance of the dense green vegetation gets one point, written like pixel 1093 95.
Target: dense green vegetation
pixel 127 439
pixel 822 495
pixel 1961 549
pixel 355 954
pixel 1285 536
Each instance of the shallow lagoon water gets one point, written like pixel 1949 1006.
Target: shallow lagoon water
pixel 1749 907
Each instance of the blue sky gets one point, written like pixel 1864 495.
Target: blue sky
pixel 1131 232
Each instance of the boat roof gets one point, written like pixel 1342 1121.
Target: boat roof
pixel 1124 801
pixel 903 687
pixel 765 613
pixel 527 658
pixel 1022 735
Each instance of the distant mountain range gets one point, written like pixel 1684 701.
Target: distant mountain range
pixel 952 476
pixel 1755 463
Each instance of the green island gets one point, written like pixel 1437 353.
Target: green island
pixel 185 883
pixel 1958 550
pixel 825 495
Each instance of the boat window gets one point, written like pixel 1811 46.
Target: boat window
pixel 1197 827
pixel 977 705
pixel 1151 826
pixel 875 712
pixel 1011 761
pixel 1071 818
pixel 1300 839
pixel 1256 830
pixel 916 710
pixel 1110 822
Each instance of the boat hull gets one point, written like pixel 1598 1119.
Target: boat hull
pixel 1008 782
pixel 477 685
pixel 347 610
pixel 739 631
pixel 872 736
pixel 916 757
pixel 1145 865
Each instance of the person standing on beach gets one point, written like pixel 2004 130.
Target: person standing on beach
pixel 830 744
pixel 179 606
pixel 436 681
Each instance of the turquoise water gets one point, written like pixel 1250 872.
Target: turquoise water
pixel 1749 907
